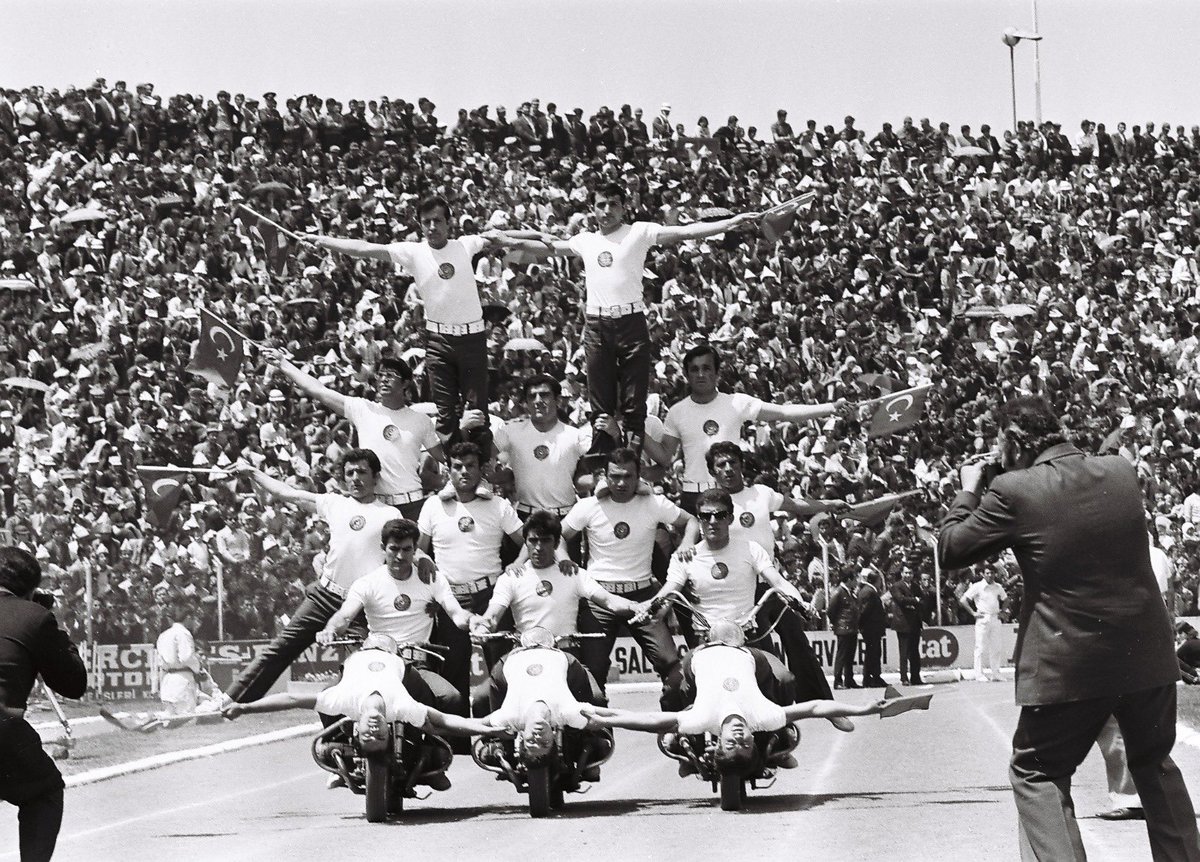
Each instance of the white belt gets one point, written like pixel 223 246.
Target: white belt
pixel 695 487
pixel 454 328
pixel 401 499
pixel 526 509
pixel 470 588
pixel 616 310
pixel 331 585
pixel 620 588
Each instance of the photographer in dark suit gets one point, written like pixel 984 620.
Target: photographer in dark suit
pixel 1094 637
pixel 31 643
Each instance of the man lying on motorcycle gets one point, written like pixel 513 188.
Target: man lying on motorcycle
pixel 376 688
pixel 541 596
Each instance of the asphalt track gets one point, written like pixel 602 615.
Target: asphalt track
pixel 923 786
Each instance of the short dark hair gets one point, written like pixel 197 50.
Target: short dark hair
pixel 1031 422
pixel 541 380
pixel 362 456
pixel 544 523
pixel 398 366
pixel 715 497
pixel 702 349
pixel 20 572
pixel 724 449
pixel 399 529
pixel 431 203
pixel 740 761
pixel 610 190
pixel 464 450
pixel 625 456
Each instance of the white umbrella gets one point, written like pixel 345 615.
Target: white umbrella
pixel 85 214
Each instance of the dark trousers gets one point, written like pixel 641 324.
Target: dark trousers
pixel 653 637
pixel 910 656
pixel 801 660
pixel 456 667
pixel 30 780
pixel 617 358
pixel 38 823
pixel 457 368
pixel 872 657
pixel 1051 741
pixel 843 661
pixel 319 605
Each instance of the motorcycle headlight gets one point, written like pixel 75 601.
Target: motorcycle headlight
pixel 727 633
pixel 538 637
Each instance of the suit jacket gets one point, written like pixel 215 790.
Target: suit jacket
pixel 906 607
pixel 31 643
pixel 843 611
pixel 872 618
pixel 1093 623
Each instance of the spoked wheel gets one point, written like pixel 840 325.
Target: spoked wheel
pixel 541 791
pixel 733 791
pixel 378 787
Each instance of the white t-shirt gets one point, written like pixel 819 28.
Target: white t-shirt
pixel 365 673
pixel 726 685
pixel 613 264
pixel 354 536
pixel 444 277
pixel 402 608
pixel 723 581
pixel 397 437
pixel 533 675
pixel 986 597
pixel 543 461
pixel 698 426
pixel 621 535
pixel 1162 566
pixel 467 536
pixel 545 598
pixel 752 508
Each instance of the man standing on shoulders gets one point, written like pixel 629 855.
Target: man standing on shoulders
pixel 391 429
pixel 982 600
pixel 1094 638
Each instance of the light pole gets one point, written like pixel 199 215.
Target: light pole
pixel 1010 38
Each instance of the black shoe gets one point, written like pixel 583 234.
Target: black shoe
pixel 837 686
pixel 1123 814
pixel 875 683
pixel 918 681
pixel 903 681
pixel 853 685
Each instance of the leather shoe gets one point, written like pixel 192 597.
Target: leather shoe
pixel 438 781
pixel 592 773
pixel 686 768
pixel 842 723
pixel 786 761
pixel 875 683
pixel 853 685
pixel 1123 814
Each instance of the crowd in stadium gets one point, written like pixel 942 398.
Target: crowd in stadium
pixel 1039 262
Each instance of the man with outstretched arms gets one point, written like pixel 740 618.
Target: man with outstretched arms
pixel 708 416
pixel 387 426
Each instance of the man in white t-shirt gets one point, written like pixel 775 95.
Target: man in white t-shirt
pixel 621 527
pixel 983 600
pixel 616 339
pixel 708 415
pixel 399 601
pixel 455 333
pixel 387 426
pixel 355 525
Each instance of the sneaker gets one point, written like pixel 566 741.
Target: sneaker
pixel 437 781
pixel 786 761
pixel 842 723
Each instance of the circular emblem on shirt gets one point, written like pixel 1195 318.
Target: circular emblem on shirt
pixel 446 271
pixel 604 258
pixel 544 588
pixel 720 571
pixel 542 452
pixel 376 666
pixel 711 427
pixel 730 684
pixel 391 432
pixel 533 669
pixel 746 519
pixel 621 530
pixel 358 522
pixel 466 524
pixel 402 602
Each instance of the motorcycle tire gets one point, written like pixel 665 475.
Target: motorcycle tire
pixel 541 791
pixel 378 787
pixel 556 796
pixel 733 791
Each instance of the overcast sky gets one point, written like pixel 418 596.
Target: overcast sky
pixel 876 59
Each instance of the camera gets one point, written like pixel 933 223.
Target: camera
pixel 44 599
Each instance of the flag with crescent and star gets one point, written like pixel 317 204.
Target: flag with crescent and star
pixel 164 487
pixel 219 352
pixel 779 220
pixel 898 411
pixel 873 513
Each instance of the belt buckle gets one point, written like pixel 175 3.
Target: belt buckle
pixel 614 311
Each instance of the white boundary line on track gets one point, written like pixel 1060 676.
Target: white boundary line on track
pixel 169 758
pixel 53 725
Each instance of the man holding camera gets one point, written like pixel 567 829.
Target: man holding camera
pixel 31 644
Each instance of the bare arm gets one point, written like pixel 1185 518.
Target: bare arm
pixel 306 383
pixel 341 620
pixel 615 604
pixel 280 490
pixel 455 611
pixel 663 451
pixel 700 230
pixel 829 709
pixel 460 726
pixel 807 508
pixel 272 703
pixel 795 412
pixel 351 247
pixel 651 722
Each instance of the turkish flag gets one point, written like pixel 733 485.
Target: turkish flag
pixel 780 219
pixel 873 513
pixel 219 352
pixel 164 487
pixel 898 411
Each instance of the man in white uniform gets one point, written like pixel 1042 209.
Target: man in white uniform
pixel 707 416
pixel 387 426
pixel 178 689
pixel 983 600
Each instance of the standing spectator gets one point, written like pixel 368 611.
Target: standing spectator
pixel 907 619
pixel 983 600
pixel 843 616
pixel 872 625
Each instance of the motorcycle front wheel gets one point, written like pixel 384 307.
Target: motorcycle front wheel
pixel 378 786
pixel 541 791
pixel 733 791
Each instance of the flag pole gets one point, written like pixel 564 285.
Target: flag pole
pixel 201 471
pixel 232 328
pixel 937 583
pixel 220 603
pixel 825 570
pixel 289 234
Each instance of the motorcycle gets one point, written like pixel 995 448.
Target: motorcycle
pixel 699 751
pixel 388 776
pixel 574 756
